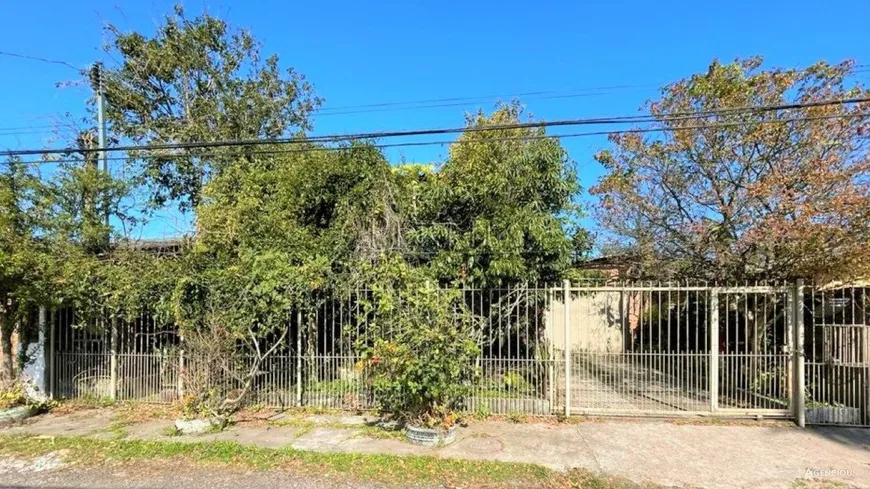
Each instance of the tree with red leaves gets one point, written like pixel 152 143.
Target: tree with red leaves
pixel 745 194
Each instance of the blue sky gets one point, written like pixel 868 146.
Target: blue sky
pixel 372 52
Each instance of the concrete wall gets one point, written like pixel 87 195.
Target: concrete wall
pixel 34 372
pixel 598 321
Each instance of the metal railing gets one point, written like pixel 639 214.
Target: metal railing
pixel 587 348
pixel 837 351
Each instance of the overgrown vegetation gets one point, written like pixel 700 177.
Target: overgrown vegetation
pixel 279 234
pixel 421 362
pixel 13 395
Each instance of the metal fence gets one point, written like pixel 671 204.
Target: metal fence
pixel 583 348
pixel 837 350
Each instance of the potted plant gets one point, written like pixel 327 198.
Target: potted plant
pixel 421 364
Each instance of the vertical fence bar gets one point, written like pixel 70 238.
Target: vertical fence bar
pixel 549 335
pixel 299 358
pixel 799 374
pixel 113 350
pixel 713 374
pixel 566 288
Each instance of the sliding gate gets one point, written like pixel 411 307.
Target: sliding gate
pixel 674 350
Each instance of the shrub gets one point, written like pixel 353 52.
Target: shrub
pixel 12 395
pixel 421 364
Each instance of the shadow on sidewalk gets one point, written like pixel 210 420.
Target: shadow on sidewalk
pixel 856 437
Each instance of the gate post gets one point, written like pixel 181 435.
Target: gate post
pixel 180 374
pixel 798 389
pixel 713 374
pixel 566 288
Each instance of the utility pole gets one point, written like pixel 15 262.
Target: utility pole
pixel 98 87
pixel 99 92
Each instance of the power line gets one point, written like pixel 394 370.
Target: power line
pixel 459 101
pixel 40 59
pixel 24 128
pixel 428 132
pixel 433 103
pixel 454 104
pixel 12 131
pixel 493 140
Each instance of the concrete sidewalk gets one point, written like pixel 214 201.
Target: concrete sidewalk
pixel 659 452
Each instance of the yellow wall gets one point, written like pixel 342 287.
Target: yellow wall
pixel 597 321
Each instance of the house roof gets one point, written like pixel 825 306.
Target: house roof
pixel 156 246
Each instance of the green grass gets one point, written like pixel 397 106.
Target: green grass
pixel 516 417
pixel 379 432
pixel 117 430
pixel 366 430
pixel 390 469
pixel 384 468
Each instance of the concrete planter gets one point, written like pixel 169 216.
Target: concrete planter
pixel 200 426
pixel 16 414
pixel 429 437
pixel 508 405
pixel 833 415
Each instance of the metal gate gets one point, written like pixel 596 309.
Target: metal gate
pixel 837 350
pixel 674 350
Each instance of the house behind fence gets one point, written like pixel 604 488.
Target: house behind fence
pixel 784 350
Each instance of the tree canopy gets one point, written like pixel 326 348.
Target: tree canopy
pixel 23 260
pixel 745 194
pixel 501 207
pixel 197 80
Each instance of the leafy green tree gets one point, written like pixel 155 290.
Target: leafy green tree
pixel 84 215
pixel 739 195
pixel 500 208
pixel 79 196
pixel 197 80
pixel 23 257
pixel 271 232
pixel 318 206
pixel 233 318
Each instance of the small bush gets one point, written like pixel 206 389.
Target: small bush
pixel 421 365
pixel 517 417
pixel 12 395
pixel 514 381
pixel 483 412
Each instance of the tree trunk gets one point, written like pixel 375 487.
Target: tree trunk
pixel 6 362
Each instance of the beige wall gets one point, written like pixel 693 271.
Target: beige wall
pixel 597 321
